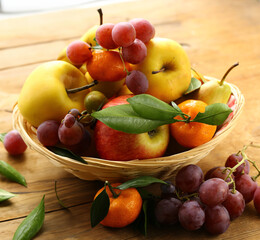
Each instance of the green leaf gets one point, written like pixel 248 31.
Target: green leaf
pixel 99 208
pixel 215 114
pixel 11 173
pixel 194 85
pixel 150 107
pixel 123 118
pixel 66 153
pixel 32 223
pixel 2 136
pixel 142 181
pixel 4 195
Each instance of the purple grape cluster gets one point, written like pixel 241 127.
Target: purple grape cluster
pixel 69 133
pixel 211 201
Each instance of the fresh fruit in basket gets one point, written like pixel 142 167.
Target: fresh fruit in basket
pixel 124 58
pixel 192 134
pixel 45 95
pixel 167 69
pixel 117 145
pixel 215 91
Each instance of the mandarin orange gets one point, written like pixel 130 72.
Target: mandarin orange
pixel 192 134
pixel 124 209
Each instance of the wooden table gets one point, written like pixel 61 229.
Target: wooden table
pixel 215 34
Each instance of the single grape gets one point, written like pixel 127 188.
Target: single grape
pixel 82 148
pixel 235 204
pixel 135 53
pixel 47 132
pixel 233 160
pixel 137 82
pixel 217 219
pixel 191 215
pixel 104 36
pixel 168 190
pixel 14 143
pixel 145 31
pixel 189 178
pixel 208 173
pixel 222 172
pixel 257 199
pixel 70 131
pixel 166 211
pixel 78 52
pixel 123 34
pixel 246 186
pixel 213 191
pixel 94 101
pixel 75 112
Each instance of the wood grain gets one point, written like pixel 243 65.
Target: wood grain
pixel 215 34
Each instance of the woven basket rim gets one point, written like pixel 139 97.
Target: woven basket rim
pixel 182 158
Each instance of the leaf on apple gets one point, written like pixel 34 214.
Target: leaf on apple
pixel 145 113
pixel 194 85
pixel 150 107
pixel 124 118
pixel 215 114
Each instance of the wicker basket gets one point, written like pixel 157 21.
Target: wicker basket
pixel 100 169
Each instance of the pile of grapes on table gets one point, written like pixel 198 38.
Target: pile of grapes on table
pixel 211 201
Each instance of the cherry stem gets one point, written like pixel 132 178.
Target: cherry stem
pixel 100 16
pixel 75 90
pixel 115 195
pixel 161 70
pixel 227 72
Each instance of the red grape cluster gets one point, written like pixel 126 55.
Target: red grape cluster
pixel 131 38
pixel 212 200
pixel 71 133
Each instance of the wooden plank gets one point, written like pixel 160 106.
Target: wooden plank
pixel 216 33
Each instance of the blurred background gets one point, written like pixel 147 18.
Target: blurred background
pixel 14 8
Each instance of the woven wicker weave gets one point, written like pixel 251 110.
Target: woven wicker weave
pixel 100 169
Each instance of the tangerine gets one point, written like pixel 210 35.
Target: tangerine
pixel 192 134
pixel 107 66
pixel 124 209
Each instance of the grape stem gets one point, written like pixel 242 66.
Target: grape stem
pixel 244 157
pixel 120 54
pixel 187 197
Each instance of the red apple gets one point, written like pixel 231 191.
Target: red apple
pixel 119 146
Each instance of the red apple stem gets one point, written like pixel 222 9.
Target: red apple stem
pixel 75 90
pixel 227 72
pixel 100 16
